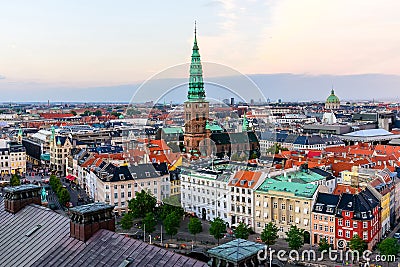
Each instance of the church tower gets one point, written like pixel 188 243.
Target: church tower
pixel 196 107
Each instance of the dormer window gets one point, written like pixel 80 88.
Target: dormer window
pixel 364 215
pixel 121 176
pixel 147 174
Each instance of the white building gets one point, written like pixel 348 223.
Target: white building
pixel 205 193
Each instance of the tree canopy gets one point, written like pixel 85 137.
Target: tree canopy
pixel 218 228
pixel 127 221
pixel 295 237
pixel 149 222
pixel 195 226
pixel 323 245
pixel 63 196
pixel 171 223
pixel 389 246
pixel 142 204
pixel 242 231
pixel 15 180
pixel 356 243
pixel 269 235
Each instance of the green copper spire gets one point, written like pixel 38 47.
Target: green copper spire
pixel 196 85
pixel 245 125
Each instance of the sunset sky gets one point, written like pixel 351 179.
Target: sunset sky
pixel 64 43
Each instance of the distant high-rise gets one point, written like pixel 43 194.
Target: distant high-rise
pixel 196 107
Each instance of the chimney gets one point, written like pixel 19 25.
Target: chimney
pixel 17 197
pixel 86 220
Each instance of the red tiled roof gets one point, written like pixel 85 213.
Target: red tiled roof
pixel 247 176
pixel 56 115
pixel 341 188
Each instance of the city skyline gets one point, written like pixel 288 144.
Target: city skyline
pixel 73 47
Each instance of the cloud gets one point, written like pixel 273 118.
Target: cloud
pixel 2 77
pixel 338 37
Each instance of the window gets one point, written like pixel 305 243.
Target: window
pixel 115 187
pixel 283 218
pixel 365 235
pixel 347 234
pixel 283 206
pixel 320 227
pixel 365 225
pixel 326 228
pixel 115 195
pixel 340 222
pixel 129 194
pixel 347 213
pixel 290 207
pixel 315 217
pixel 354 224
pixel 340 233
pixel 129 186
pixel 122 194
pixel 107 187
pixel 155 182
pixel 347 223
pixel 122 186
pixel 315 226
pixel 275 205
pixel 331 229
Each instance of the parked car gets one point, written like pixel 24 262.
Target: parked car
pixel 397 235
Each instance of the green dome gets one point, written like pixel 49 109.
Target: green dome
pixel 332 98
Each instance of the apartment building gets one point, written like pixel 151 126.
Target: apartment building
pixel 117 185
pixel 323 218
pixel 241 191
pixel 284 202
pixel 204 192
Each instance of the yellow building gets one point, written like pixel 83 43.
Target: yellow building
pixel 284 203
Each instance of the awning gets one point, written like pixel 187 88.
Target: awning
pixel 70 177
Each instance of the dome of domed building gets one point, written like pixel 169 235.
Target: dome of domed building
pixel 332 102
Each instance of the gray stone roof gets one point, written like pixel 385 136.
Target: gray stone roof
pixel 38 236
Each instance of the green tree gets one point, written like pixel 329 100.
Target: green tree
pixel 217 228
pixel 73 112
pixel 276 148
pixel 389 247
pixel 149 222
pixel 166 209
pixel 356 243
pixel 195 227
pixel 142 204
pixel 132 111
pixel 98 113
pixel 269 235
pixel 15 180
pixel 87 113
pixel 127 221
pixel 242 231
pixel 171 223
pixel 323 245
pixel 63 196
pixel 295 237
